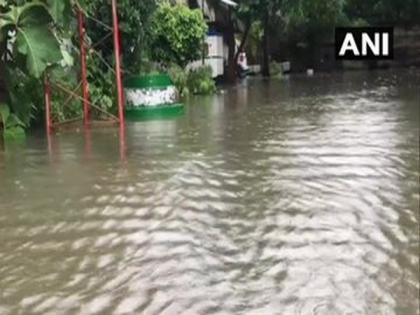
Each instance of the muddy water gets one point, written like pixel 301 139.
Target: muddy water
pixel 289 196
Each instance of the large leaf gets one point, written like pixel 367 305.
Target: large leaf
pixel 6 20
pixel 14 121
pixel 60 11
pixel 40 47
pixel 34 39
pixel 14 133
pixel 13 127
pixel 17 14
pixel 34 14
pixel 56 9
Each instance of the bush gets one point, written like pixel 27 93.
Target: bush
pixel 195 81
pixel 200 81
pixel 180 79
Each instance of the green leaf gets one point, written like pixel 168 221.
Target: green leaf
pixel 65 74
pixel 11 17
pixel 56 9
pixel 4 113
pixel 14 121
pixel 5 20
pixel 68 59
pixel 33 13
pixel 82 4
pixel 40 47
pixel 14 133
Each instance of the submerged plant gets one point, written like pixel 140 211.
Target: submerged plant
pixel 12 126
pixel 179 78
pixel 195 81
pixel 200 81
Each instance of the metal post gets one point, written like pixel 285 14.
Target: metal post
pixel 203 52
pixel 85 87
pixel 88 142
pixel 123 144
pixel 120 91
pixel 47 98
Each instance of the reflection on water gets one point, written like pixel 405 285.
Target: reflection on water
pixel 294 196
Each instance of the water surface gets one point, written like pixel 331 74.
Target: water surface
pixel 289 196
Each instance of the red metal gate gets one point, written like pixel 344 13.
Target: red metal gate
pixel 84 97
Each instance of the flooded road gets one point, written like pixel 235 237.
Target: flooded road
pixel 289 196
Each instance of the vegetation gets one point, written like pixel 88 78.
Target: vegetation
pixel 135 26
pixel 180 79
pixel 200 81
pixel 177 35
pixel 176 40
pixel 313 21
pixel 194 81
pixel 29 44
pixel 12 125
pixel 384 12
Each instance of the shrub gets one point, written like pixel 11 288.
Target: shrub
pixel 180 79
pixel 195 81
pixel 200 81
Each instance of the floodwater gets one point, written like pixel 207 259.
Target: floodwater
pixel 289 196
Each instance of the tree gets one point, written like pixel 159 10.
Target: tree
pixel 312 22
pixel 390 12
pixel 308 19
pixel 266 12
pixel 177 34
pixel 135 18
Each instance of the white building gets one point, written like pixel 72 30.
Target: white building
pixel 216 48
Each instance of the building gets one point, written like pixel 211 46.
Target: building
pixel 217 14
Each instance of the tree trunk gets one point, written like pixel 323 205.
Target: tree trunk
pixel 230 34
pixel 243 41
pixel 4 55
pixel 265 66
pixel 3 90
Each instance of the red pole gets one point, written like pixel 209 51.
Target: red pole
pixel 123 144
pixel 47 98
pixel 85 87
pixel 88 142
pixel 120 91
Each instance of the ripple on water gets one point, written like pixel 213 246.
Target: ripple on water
pixel 282 204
